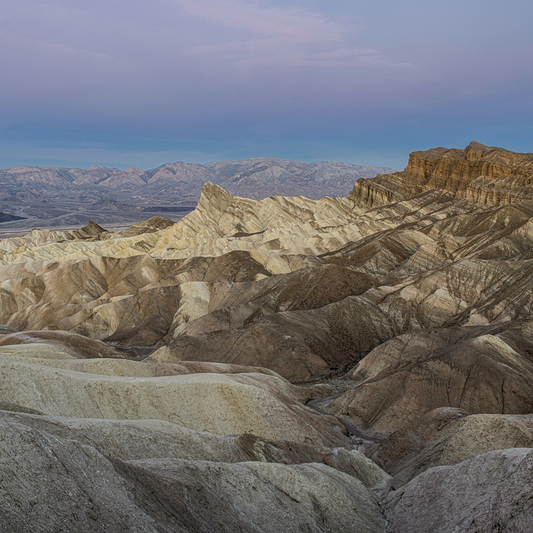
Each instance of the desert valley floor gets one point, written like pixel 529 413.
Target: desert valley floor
pixel 358 364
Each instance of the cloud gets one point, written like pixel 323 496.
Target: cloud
pixel 292 24
pixel 283 36
pixel 356 55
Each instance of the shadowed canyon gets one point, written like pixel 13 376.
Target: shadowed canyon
pixel 343 364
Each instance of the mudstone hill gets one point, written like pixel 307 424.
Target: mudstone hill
pixel 348 364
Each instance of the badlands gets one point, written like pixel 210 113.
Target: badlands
pixel 359 364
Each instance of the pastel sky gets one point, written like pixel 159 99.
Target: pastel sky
pixel 143 82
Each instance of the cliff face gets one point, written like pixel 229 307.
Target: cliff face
pixel 484 175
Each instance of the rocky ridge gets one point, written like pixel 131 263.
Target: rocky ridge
pixel 343 364
pixel 484 175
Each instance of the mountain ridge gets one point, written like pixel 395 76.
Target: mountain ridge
pixel 253 177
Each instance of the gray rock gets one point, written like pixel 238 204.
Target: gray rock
pixel 252 497
pixel 490 492
pixel 131 440
pixel 446 437
pixel 49 481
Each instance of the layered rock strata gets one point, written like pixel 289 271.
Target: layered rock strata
pixel 481 174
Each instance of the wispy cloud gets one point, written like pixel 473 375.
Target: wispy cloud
pixel 292 24
pixel 270 51
pixel 356 55
pixel 283 36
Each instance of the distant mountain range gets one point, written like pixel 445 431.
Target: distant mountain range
pixel 182 182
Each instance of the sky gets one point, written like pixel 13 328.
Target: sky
pixel 143 82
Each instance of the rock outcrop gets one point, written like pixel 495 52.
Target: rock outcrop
pixel 448 436
pixel 486 176
pixel 217 402
pixel 418 372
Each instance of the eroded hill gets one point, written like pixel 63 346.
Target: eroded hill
pixel 161 358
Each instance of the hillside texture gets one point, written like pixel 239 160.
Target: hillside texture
pixel 280 364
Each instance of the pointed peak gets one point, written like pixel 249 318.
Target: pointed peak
pixel 90 230
pixel 214 197
pixel 476 151
pixel 212 188
pixel 475 144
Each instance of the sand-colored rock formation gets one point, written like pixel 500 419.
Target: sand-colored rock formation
pixel 237 271
pixel 487 176
pixel 226 404
pixel 57 482
pixel 421 371
pixel 144 374
pixel 150 225
pixel 36 238
pixel 128 452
